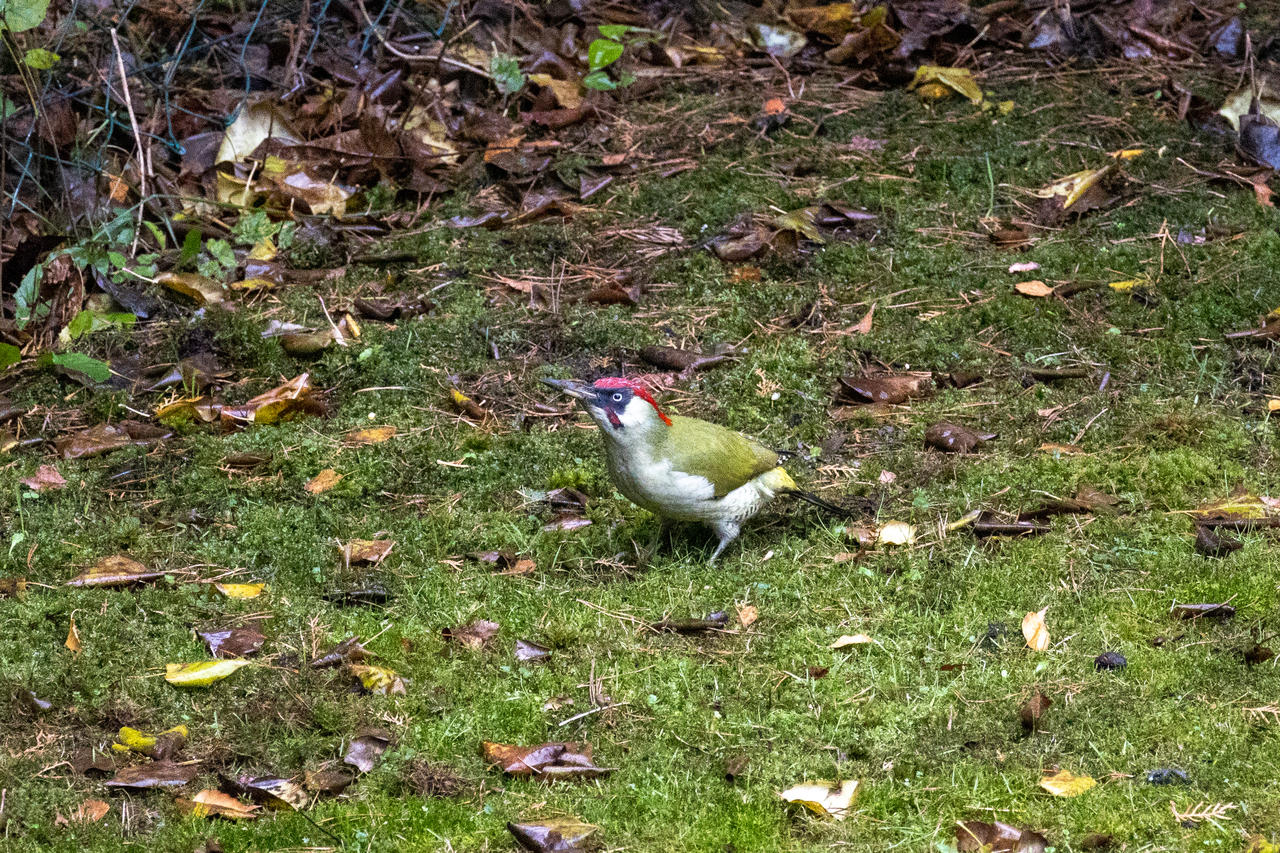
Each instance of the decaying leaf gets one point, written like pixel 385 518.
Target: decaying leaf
pixel 1064 783
pixel 199 288
pixel 90 811
pixel 672 358
pixel 211 803
pixel 323 482
pixel 846 640
pixel 104 438
pixel 1033 709
pixel 46 479
pixel 896 533
pixel 747 615
pixel 934 81
pixel 327 781
pixel 366 748
pixel 888 388
pixel 372 551
pixel 1077 193
pixel 350 650
pixel 530 652
pixel 1034 630
pixel 556 835
pixel 976 836
pixel 73 637
pixel 825 799
pixel 293 398
pixel 545 761
pixel 1211 544
pixel 378 680
pixel 233 642
pixel 713 622
pixel 201 673
pixel 1034 288
pixel 240 590
pixel 13 587
pixel 954 438
pixel 156 774
pixel 474 635
pixel 1241 511
pixel 1217 612
pixel 372 435
pixel 116 570
pixel 274 792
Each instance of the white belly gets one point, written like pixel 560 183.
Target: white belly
pixel 677 495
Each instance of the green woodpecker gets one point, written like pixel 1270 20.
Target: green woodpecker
pixel 682 469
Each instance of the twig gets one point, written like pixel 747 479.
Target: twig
pixel 137 134
pixel 596 710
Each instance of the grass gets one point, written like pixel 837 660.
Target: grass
pixel 926 718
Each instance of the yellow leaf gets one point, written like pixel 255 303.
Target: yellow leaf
pixel 263 250
pixel 852 640
pixel 1273 404
pixel 132 740
pixel 747 615
pixel 202 289
pixel 367 550
pixel 1064 783
pixel 323 482
pixel 231 190
pixel 567 93
pixel 240 590
pixel 824 798
pixel 200 674
pixel 252 284
pixel 1034 288
pixel 1236 506
pixel 73 637
pixel 1127 284
pixel 965 520
pixel 1034 630
pixel 1126 153
pixel 378 679
pixel 372 435
pixel 116 570
pixel 896 533
pixel 1075 185
pixel 958 80
pixel 1064 449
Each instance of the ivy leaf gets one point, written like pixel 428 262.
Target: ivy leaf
pixel 24 300
pixel 22 15
pixel 506 73
pixel 599 81
pixel 602 52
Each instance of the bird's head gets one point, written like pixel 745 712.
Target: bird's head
pixel 620 406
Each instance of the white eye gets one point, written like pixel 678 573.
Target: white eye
pixel 617 397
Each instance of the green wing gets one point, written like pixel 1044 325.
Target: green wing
pixel 727 458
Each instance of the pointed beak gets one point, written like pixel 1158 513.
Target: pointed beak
pixel 572 387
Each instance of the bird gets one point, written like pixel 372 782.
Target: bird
pixel 680 468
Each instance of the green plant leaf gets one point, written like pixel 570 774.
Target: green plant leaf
pixel 40 59
pixel 22 15
pixel 614 31
pixel 599 81
pixel 602 52
pixel 506 73
pixel 88 321
pixel 98 371
pixel 9 355
pixel 24 299
pixel 222 253
pixel 190 247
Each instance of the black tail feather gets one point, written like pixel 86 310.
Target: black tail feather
pixel 811 498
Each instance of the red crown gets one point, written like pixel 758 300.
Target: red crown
pixel 636 388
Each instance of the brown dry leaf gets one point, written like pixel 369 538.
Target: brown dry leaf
pixel 890 388
pixel 973 836
pixel 73 637
pixel 747 615
pixel 198 288
pixel 475 635
pixel 350 650
pixel 372 551
pixel 954 438
pixel 116 570
pixel 1034 288
pixel 46 479
pixel 555 835
pixel 546 761
pixel 293 398
pixel 156 774
pixel 13 587
pixel 210 803
pixel 323 482
pixel 1064 783
pixel 90 811
pixel 327 781
pixel 366 748
pixel 1034 708
pixel 233 642
pixel 863 326
pixel 1035 631
pixel 372 435
pixel 104 438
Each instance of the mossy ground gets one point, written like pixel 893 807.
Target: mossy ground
pixel 925 719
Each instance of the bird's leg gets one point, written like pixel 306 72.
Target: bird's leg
pixel 663 532
pixel 727 531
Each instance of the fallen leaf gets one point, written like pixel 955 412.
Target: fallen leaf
pixel 747 615
pixel 1218 612
pixel 284 402
pixel 1033 709
pixel 116 570
pixel 1064 783
pixel 283 794
pixel 863 326
pixel 323 482
pixel 1034 630
pixel 233 642
pixel 372 551
pixel 1110 660
pixel 954 438
pixel 896 533
pixel 475 635
pixel 104 438
pixel 886 388
pixel 545 761
pixel 241 590
pixel 327 781
pixel 210 803
pixel 378 680
pixel 824 799
pixel 1210 544
pixel 1024 266
pixel 350 650
pixel 13 587
pixel 556 835
pixel 467 406
pixel 976 836
pixel 163 746
pixel 846 640
pixel 366 748
pixel 930 78
pixel 201 673
pixel 156 774
pixel 199 288
pixel 1035 288
pixel 372 435
pixel 90 811
pixel 671 358
pixel 46 479
pixel 73 637
pixel 528 652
